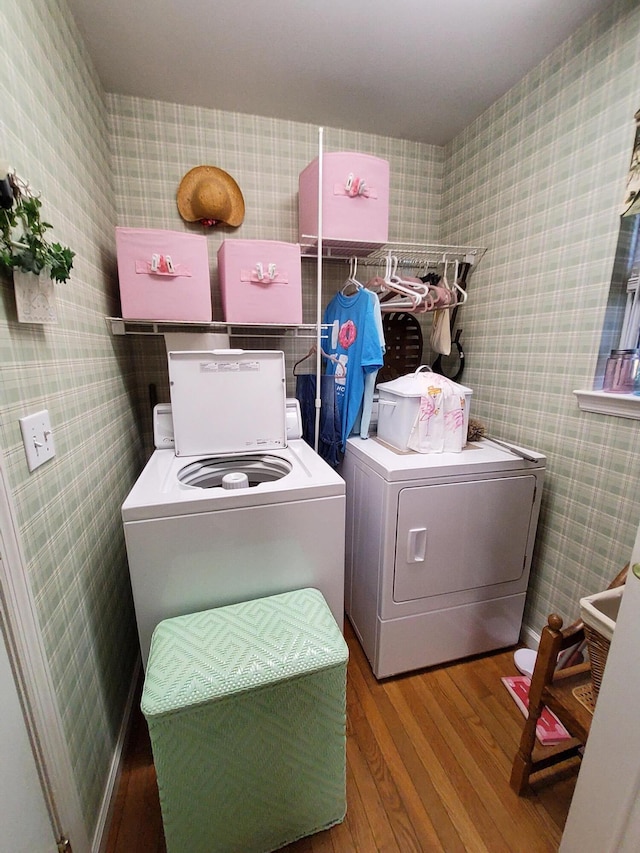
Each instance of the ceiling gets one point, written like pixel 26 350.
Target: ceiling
pixel 413 69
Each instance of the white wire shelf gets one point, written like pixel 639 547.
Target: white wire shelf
pixel 119 326
pixel 408 254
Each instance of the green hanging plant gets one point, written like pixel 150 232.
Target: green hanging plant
pixel 31 251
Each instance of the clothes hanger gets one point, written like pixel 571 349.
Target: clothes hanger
pixel 377 283
pixel 460 295
pixel 384 293
pixel 445 267
pixel 352 281
pixel 415 284
pixel 444 295
pixel 407 289
pixel 415 296
pixel 413 303
pixel 311 352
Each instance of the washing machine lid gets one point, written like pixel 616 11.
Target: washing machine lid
pixel 227 401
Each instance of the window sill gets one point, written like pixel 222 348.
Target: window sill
pixel 604 403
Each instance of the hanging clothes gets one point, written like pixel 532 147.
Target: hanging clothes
pixel 353 343
pixel 329 439
pixel 363 418
pixel 440 337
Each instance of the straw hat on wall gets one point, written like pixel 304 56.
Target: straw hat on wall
pixel 210 195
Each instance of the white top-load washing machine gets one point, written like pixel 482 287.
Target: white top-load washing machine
pixel 438 550
pixel 227 509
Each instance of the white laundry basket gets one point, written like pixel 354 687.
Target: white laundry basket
pixel 399 405
pixel 599 613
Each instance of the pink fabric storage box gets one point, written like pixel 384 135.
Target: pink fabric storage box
pixel 260 281
pixel 355 198
pixel 164 275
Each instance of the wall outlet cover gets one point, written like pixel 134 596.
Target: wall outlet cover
pixel 37 437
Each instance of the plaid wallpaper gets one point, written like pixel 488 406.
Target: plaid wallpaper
pixel 539 179
pixel 55 134
pixel 155 144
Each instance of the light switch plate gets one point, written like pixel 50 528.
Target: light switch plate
pixel 37 438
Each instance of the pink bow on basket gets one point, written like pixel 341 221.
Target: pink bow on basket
pixel 355 186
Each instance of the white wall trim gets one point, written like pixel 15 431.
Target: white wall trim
pixel 529 637
pixel 101 835
pixel 606 403
pixel 34 682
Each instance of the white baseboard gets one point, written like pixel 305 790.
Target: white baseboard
pixel 101 834
pixel 529 637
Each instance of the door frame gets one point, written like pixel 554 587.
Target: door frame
pixel 33 679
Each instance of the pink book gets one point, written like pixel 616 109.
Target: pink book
pixel 549 729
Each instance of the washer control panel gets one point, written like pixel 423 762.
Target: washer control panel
pixel 163 427
pixel 163 438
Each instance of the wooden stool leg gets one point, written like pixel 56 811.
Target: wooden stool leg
pixel 546 660
pixel 522 763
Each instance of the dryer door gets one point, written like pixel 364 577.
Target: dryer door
pixel 460 536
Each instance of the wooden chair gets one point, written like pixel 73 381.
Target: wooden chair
pixel 554 688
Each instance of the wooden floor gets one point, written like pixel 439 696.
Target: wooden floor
pixel 428 763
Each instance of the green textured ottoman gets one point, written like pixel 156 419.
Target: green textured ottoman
pixel 246 711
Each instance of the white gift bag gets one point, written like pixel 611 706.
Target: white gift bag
pixel 440 424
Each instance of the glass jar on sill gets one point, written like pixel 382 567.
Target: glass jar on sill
pixel 621 372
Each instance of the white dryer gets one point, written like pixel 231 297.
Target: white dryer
pixel 233 510
pixel 438 550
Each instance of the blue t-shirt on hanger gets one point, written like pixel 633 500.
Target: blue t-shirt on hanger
pixel 353 348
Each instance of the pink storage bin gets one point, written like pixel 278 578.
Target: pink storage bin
pixel 260 281
pixel 355 198
pixel 164 275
